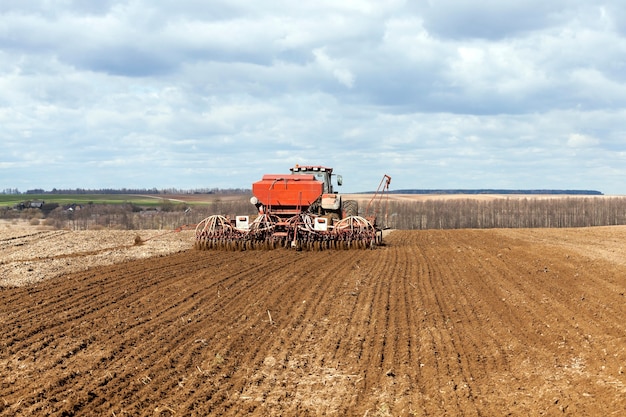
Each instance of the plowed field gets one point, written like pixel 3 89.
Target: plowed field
pixel 457 322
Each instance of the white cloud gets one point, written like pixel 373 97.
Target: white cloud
pixel 577 140
pixel 343 75
pixel 437 94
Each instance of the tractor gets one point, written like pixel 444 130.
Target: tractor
pixel 300 210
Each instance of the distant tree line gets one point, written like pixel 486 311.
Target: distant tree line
pixel 506 213
pixel 10 191
pixel 532 212
pixel 499 192
pixel 244 190
pixel 167 216
pixel 75 191
pixel 81 216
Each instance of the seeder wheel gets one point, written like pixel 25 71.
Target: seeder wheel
pixel 215 232
pixel 355 232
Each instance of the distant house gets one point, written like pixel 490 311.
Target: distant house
pixel 37 204
pixel 72 207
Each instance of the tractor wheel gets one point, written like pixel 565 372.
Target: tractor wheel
pixel 350 208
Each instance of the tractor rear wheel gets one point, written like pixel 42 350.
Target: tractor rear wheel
pixel 350 208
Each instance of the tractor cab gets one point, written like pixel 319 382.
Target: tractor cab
pixel 322 174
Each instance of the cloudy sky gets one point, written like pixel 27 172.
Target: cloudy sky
pixel 194 94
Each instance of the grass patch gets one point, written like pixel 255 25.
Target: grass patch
pixel 10 200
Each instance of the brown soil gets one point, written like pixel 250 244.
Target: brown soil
pixel 31 254
pixel 461 322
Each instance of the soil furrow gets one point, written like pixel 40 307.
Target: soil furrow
pixel 454 322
